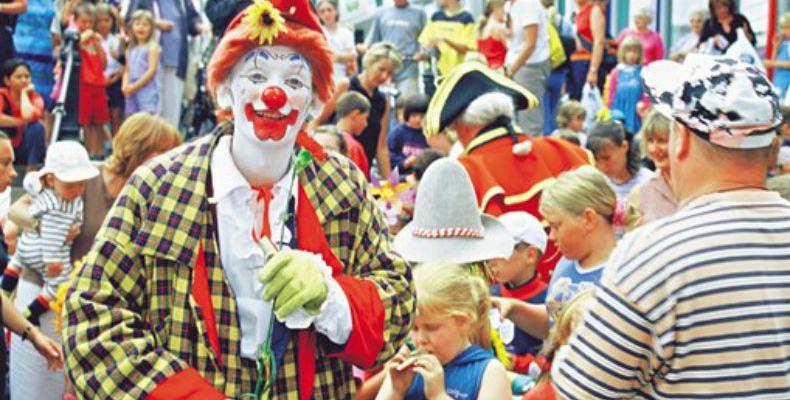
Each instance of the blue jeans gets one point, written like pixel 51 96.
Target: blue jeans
pixel 551 100
pixel 33 147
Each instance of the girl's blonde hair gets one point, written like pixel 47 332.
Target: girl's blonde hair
pixel 630 43
pixel 784 20
pixel 569 110
pixel 146 16
pixel 140 136
pixel 583 188
pixel 570 317
pixel 383 51
pixel 452 290
pixel 491 5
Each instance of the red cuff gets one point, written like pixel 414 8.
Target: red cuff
pixel 367 318
pixel 185 385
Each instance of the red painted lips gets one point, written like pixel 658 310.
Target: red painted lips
pixel 270 124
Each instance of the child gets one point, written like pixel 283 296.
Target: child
pixel 569 318
pixel 21 108
pixel 57 206
pixel 625 83
pixel 451 306
pixel 406 140
pixel 494 34
pixel 582 210
pixel 617 156
pixel 570 122
pixel 452 32
pixel 93 110
pixel 113 71
pixel 780 58
pixel 516 279
pixel 352 112
pixel 141 84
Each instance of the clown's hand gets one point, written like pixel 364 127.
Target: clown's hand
pixel 294 279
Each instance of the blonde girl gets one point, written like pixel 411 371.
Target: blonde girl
pixel 582 211
pixel 494 33
pixel 568 320
pixel 141 79
pixel 106 25
pixel 624 84
pixel 452 305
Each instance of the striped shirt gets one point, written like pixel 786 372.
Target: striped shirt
pixel 36 249
pixel 696 305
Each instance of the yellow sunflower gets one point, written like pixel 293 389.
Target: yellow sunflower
pixel 264 22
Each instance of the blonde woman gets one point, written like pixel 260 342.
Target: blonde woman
pixel 381 61
pixel 654 197
pixel 452 304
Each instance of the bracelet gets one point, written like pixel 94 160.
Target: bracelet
pixel 593 69
pixel 26 332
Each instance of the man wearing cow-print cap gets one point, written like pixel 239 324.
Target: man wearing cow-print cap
pixel 693 305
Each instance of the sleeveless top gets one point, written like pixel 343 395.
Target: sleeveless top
pixel 493 50
pixel 463 376
pixel 370 136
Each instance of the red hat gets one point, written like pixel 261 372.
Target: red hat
pixel 291 23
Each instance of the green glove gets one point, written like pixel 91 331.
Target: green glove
pixel 294 280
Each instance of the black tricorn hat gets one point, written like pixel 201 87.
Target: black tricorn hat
pixel 462 85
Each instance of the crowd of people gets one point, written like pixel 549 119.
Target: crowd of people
pixel 510 205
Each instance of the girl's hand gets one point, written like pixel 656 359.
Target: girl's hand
pixel 401 378
pixel 48 348
pixel 127 90
pixel 503 304
pixel 429 367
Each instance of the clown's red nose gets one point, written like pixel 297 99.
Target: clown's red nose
pixel 274 98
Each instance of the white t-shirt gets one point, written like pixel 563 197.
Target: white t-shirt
pixel 342 42
pixel 524 13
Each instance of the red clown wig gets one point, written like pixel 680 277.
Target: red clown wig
pixel 301 32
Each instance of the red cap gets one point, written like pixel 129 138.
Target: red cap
pixel 300 12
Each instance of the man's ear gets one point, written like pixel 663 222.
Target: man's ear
pixel 682 141
pixel 224 96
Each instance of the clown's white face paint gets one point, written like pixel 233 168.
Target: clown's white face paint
pixel 270 92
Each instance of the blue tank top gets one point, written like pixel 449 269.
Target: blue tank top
pixel 463 375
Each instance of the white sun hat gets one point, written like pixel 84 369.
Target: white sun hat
pixel 69 162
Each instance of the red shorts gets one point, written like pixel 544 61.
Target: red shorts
pixel 93 105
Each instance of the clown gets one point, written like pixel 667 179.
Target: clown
pixel 248 264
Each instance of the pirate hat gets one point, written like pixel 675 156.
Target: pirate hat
pixel 461 86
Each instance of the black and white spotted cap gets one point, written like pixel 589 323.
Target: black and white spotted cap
pixel 724 101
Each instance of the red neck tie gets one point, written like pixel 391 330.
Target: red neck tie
pixel 265 194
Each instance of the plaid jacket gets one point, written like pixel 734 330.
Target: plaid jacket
pixel 131 321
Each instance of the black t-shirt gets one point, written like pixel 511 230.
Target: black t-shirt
pixel 378 103
pixel 713 27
